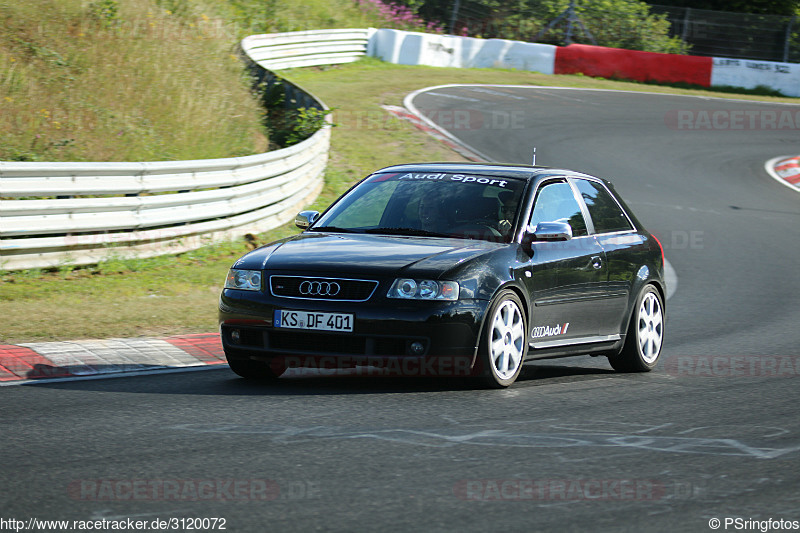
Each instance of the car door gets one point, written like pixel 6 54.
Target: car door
pixel 625 249
pixel 567 278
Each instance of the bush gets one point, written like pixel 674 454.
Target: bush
pixel 615 23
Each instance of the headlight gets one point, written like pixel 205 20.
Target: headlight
pixel 426 289
pixel 246 280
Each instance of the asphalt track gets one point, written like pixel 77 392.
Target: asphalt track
pixel 714 432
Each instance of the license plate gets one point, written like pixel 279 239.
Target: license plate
pixel 313 320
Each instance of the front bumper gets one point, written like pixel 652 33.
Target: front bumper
pixel 383 329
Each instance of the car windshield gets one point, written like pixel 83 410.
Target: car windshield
pixel 428 205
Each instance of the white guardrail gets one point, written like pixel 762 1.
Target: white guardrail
pixel 84 212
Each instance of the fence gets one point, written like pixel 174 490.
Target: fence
pixel 53 214
pixel 710 33
pixel 734 35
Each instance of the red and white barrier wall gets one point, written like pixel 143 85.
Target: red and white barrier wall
pixel 411 48
pixel 616 63
pixel 784 77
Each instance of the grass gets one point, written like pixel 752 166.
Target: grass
pixel 121 81
pixel 141 80
pixel 175 295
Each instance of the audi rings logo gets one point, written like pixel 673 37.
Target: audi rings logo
pixel 319 288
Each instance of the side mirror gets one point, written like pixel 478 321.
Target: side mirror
pixel 546 232
pixel 304 219
pixel 552 231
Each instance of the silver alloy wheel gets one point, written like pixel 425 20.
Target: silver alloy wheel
pixel 650 327
pixel 507 345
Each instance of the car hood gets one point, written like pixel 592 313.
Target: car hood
pixel 331 254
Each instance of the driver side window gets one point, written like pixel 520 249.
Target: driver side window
pixel 555 202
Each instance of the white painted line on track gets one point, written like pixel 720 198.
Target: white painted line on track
pixel 550 87
pixel 670 279
pixel 408 102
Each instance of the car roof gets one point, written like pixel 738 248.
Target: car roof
pixel 526 172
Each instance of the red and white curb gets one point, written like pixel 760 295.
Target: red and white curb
pixel 785 169
pixel 37 361
pixel 436 132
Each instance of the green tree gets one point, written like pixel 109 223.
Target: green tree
pixel 628 24
pixel 616 23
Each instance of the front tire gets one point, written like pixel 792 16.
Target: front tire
pixel 645 336
pixel 504 342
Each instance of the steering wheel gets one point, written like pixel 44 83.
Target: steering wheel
pixel 478 230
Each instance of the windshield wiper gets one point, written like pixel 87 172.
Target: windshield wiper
pixel 415 232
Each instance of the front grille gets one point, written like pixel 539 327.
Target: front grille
pixel 318 343
pixel 311 288
pixel 331 343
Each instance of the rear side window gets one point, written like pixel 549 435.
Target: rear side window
pixel 555 202
pixel 606 213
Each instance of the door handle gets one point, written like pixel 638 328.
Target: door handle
pixel 597 262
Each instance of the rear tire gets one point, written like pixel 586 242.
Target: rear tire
pixel 504 342
pixel 645 336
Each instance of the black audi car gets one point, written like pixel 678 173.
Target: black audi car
pixel 451 269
